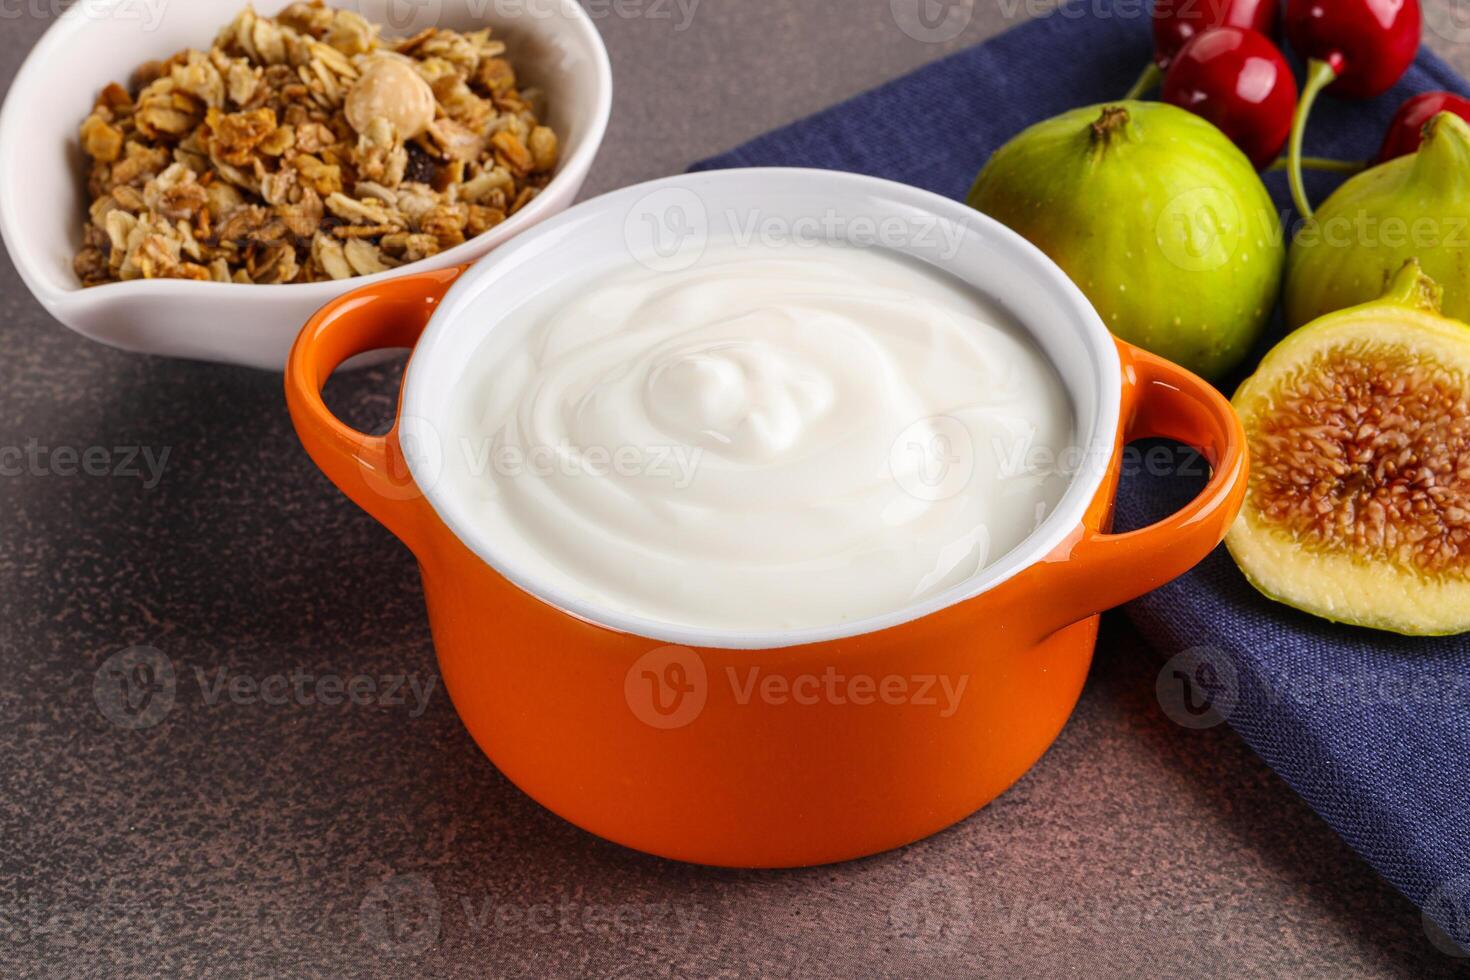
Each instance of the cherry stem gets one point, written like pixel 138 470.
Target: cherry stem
pixel 1325 164
pixel 1152 75
pixel 1320 74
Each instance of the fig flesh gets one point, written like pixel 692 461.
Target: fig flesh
pixel 1159 219
pixel 1358 507
pixel 1412 207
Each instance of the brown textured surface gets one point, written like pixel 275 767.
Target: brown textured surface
pixel 251 839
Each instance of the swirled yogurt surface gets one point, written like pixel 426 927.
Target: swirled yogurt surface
pixel 779 437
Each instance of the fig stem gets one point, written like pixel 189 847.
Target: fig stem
pixel 1110 122
pixel 1320 74
pixel 1152 76
pixel 1443 159
pixel 1325 164
pixel 1411 287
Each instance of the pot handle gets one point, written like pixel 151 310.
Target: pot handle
pixel 370 470
pixel 1094 570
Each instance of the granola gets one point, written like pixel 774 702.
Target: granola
pixel 307 147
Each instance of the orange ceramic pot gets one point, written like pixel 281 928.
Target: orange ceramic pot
pixel 770 750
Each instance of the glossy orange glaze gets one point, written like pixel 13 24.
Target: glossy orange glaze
pixel 766 758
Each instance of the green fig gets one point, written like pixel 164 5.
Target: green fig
pixel 1412 207
pixel 1358 505
pixel 1159 219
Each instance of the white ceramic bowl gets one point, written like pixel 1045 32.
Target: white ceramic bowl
pixel 554 45
pixel 667 225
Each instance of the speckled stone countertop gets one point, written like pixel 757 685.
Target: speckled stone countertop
pixel 244 829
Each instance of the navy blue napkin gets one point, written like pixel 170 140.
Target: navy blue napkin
pixel 1372 730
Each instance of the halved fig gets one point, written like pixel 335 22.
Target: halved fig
pixel 1358 507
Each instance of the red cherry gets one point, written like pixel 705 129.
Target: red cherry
pixel 1176 21
pixel 1369 44
pixel 1238 80
pixel 1354 48
pixel 1406 131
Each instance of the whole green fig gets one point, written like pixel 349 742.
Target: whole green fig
pixel 1412 207
pixel 1156 216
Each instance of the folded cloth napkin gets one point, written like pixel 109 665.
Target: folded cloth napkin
pixel 1371 729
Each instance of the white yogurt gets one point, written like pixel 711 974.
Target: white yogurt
pixel 779 437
